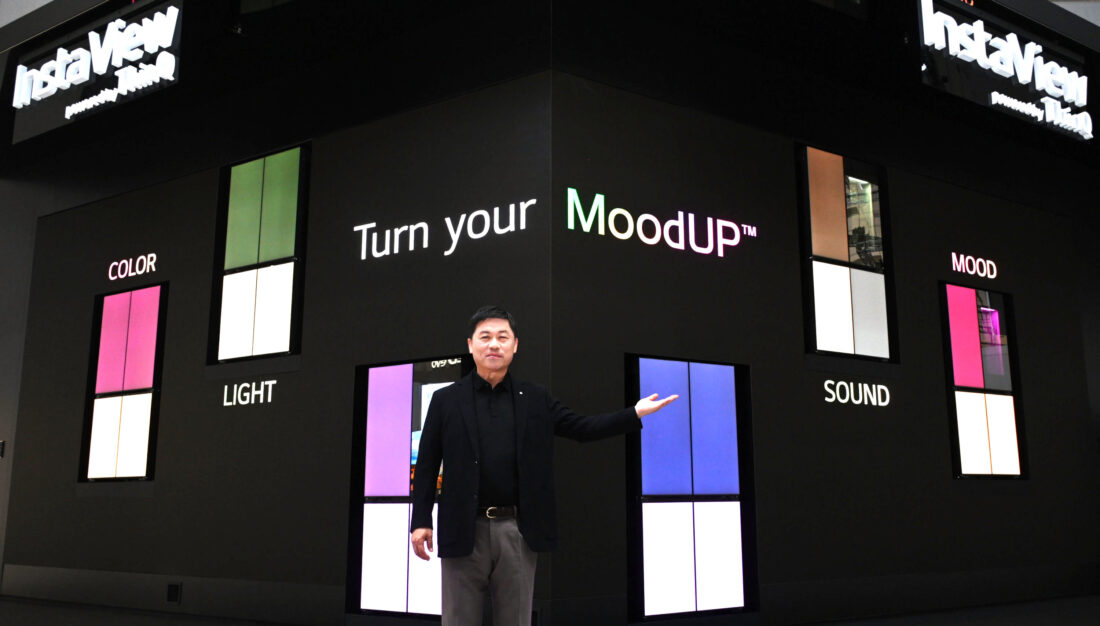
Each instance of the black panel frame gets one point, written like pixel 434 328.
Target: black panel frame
pixel 877 175
pixel 299 259
pixel 1016 392
pixel 356 498
pixel 91 395
pixel 747 497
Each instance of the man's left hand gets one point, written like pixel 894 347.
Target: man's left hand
pixel 650 404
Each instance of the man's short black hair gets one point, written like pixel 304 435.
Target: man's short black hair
pixel 491 312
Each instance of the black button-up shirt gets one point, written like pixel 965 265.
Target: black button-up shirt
pixel 496 437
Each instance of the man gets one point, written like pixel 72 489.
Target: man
pixel 494 436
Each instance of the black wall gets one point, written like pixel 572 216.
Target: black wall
pixel 260 492
pixel 850 499
pixel 857 510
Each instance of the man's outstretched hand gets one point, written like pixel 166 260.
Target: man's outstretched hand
pixel 422 536
pixel 650 404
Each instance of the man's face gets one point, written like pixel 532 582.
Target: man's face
pixel 493 345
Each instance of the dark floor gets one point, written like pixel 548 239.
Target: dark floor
pixel 20 612
pixel 1079 611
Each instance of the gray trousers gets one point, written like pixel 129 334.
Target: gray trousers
pixel 502 566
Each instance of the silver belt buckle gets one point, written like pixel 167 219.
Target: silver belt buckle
pixel 489 512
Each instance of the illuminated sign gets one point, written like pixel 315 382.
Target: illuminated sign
pixel 411 237
pixel 242 394
pixel 846 392
pixel 139 51
pixel 975 57
pixel 969 264
pixel 126 268
pixel 679 233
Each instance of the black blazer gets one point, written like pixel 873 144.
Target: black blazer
pixel 450 437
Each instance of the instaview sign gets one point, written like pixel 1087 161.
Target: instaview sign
pixel 121 59
pixel 971 54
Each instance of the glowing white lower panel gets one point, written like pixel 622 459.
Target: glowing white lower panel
pixel 973 432
pixel 1003 447
pixel 385 557
pixel 238 315
pixel 425 579
pixel 274 297
pixel 833 308
pixel 668 557
pixel 133 436
pixel 719 577
pixel 103 444
pixel 872 332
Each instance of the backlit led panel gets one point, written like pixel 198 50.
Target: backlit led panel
pixel 692 556
pixel 985 411
pixel 256 312
pixel 389 407
pixel 666 443
pixel 827 210
pixel 128 340
pixel 833 308
pixel 718 563
pixel 237 315
pixel 691 532
pixel 261 257
pixel 242 230
pixel 966 350
pixel 397 400
pixel 850 310
pixel 425 578
pixel 112 343
pixel 103 447
pixel 1004 450
pixel 261 224
pixel 979 340
pixel 668 546
pixel 279 216
pixel 385 557
pixel 394 578
pixel 121 411
pixel 713 429
pixel 274 297
pixel 869 322
pixel 141 338
pixel 847 258
pixel 133 435
pixel 973 432
pixel 119 443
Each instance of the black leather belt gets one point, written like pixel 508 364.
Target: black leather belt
pixel 496 512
